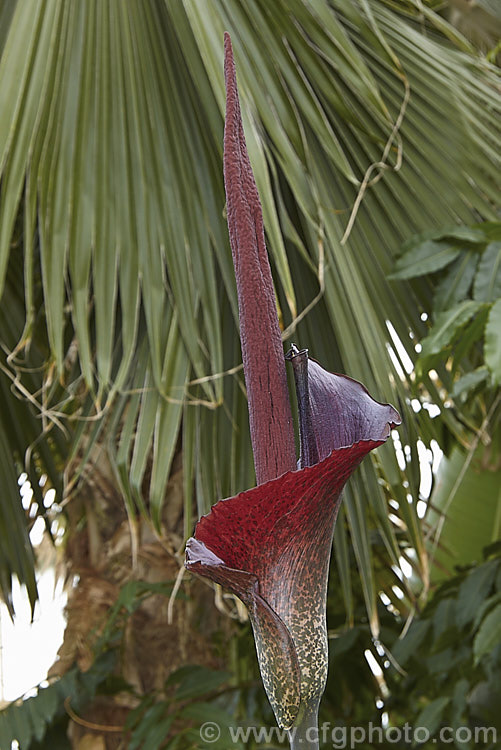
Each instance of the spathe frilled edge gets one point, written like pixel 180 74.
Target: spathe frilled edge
pixel 248 543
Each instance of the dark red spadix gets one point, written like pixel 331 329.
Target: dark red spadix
pixel 270 417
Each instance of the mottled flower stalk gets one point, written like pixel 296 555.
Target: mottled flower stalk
pixel 270 417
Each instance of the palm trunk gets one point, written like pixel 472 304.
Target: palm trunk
pixel 99 556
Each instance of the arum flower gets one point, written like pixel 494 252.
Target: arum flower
pixel 271 545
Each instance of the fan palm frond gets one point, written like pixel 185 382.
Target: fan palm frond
pixel 366 122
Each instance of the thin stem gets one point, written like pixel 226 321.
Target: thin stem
pixel 304 735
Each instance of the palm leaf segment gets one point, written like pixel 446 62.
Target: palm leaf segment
pixel 110 156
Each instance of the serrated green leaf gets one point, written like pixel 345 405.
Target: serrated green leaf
pixel 447 327
pixel 485 607
pixel 407 647
pixel 134 716
pixel 152 728
pixel 468 234
pixel 469 382
pixel 487 285
pixel 193 681
pixel 157 734
pixel 342 643
pixel 20 725
pixel 48 702
pixel 211 739
pixel 29 720
pixel 202 712
pixel 492 348
pixel 427 257
pixel 488 635
pixel 471 336
pixel 444 617
pixel 431 716
pixel 456 283
pixel 461 690
pixel 36 718
pixel 474 590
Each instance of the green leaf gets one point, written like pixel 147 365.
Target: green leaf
pixel 341 552
pixel 29 720
pixel 474 590
pixel 342 643
pixel 461 690
pixel 492 230
pixel 470 339
pixel 485 607
pixel 212 739
pixel 462 512
pixel 407 647
pixel 193 681
pixel 488 635
pixel 492 348
pixel 152 729
pixel 157 733
pixel 444 617
pixel 208 712
pixel 467 234
pixel 134 716
pixel 431 715
pixel 469 382
pixel 456 283
pixel 427 257
pixel 355 513
pixel 487 286
pixel 448 326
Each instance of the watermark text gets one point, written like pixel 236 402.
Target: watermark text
pixel 349 738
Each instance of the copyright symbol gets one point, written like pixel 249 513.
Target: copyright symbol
pixel 210 731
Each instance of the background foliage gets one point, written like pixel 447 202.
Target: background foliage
pixel 373 128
